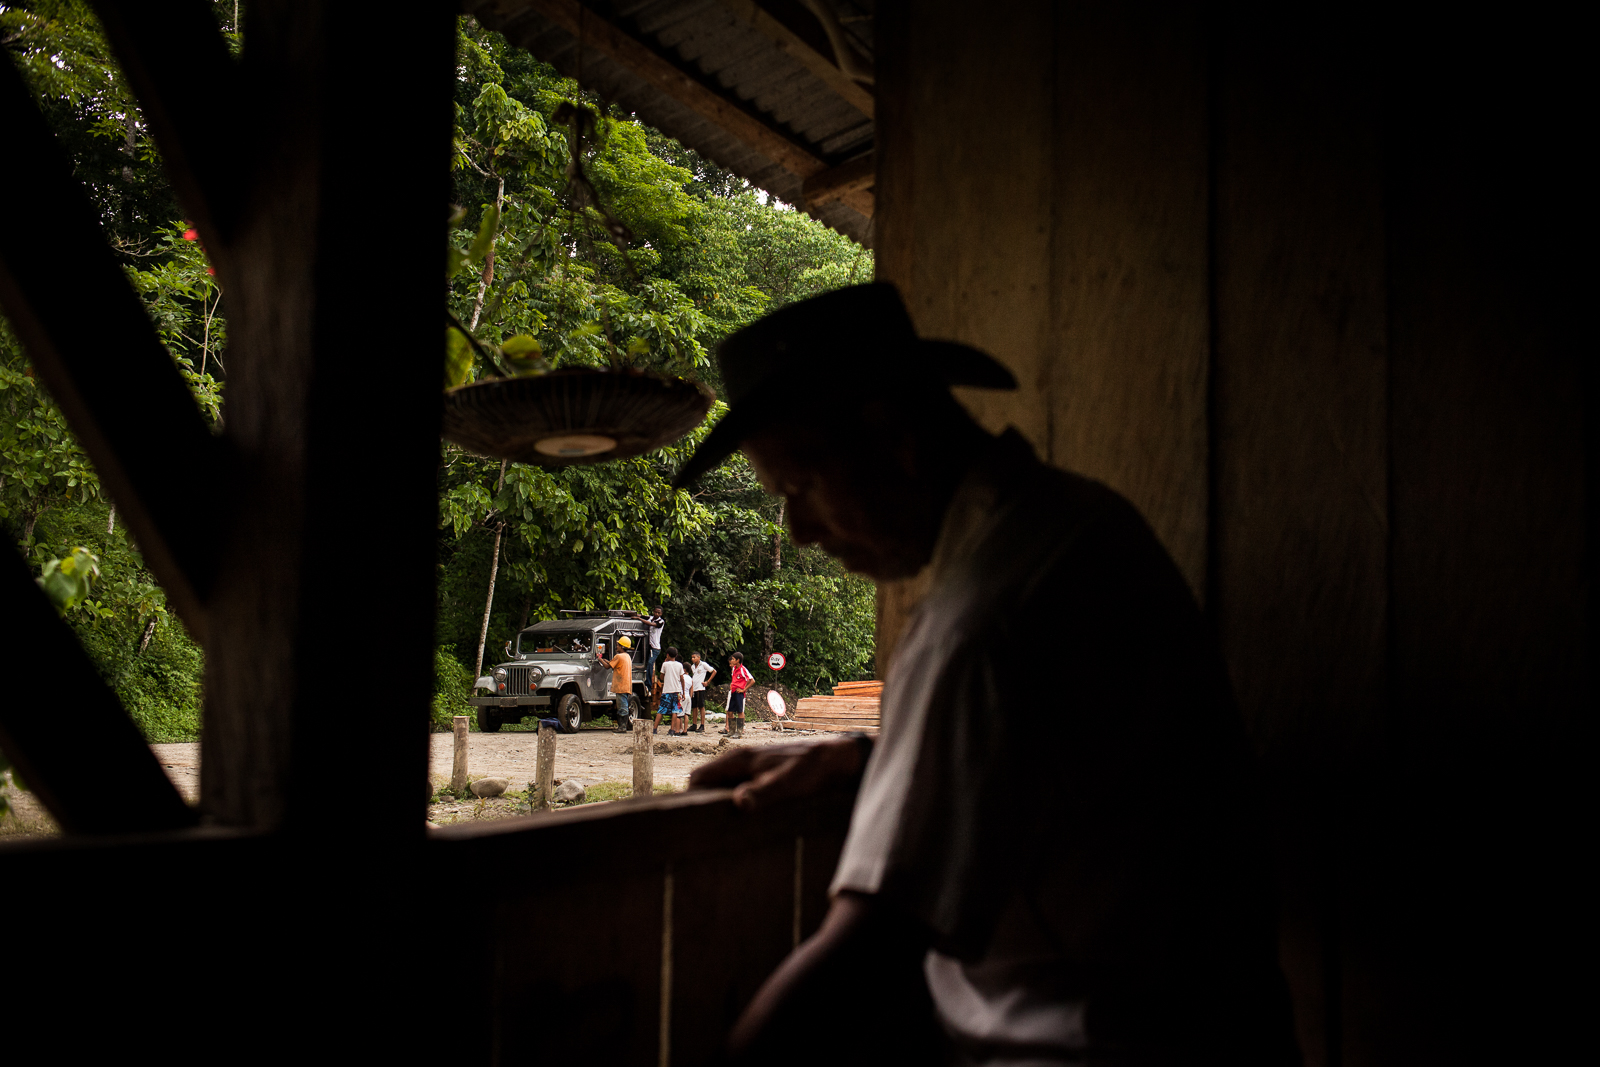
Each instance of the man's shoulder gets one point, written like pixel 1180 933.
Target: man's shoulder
pixel 1021 526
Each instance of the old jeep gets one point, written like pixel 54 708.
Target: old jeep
pixel 551 672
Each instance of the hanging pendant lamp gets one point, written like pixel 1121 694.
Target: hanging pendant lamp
pixel 573 415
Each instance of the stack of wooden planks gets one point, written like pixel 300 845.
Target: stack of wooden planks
pixel 853 706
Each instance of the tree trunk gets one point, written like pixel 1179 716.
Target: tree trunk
pixel 494 571
pixel 111 519
pixel 488 264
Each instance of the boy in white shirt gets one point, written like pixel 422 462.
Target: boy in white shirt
pixel 700 672
pixel 675 683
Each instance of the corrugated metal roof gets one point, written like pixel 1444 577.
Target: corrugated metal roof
pixel 740 73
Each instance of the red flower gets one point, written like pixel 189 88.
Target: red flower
pixel 211 270
pixel 190 235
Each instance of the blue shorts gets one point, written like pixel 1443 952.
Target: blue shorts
pixel 669 705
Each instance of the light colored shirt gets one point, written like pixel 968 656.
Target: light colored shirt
pixel 621 673
pixel 657 623
pixel 700 671
pixel 1087 851
pixel 672 677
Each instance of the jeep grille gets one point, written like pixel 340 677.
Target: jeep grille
pixel 518 681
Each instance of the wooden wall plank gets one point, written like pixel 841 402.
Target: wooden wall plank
pixel 733 914
pixel 980 103
pixel 1492 561
pixel 577 967
pixel 1126 361
pixel 1300 527
pixel 1041 194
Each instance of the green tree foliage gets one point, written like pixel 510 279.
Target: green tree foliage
pixel 640 254
pixel 707 254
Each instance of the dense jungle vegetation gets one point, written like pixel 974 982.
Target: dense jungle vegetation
pixel 537 282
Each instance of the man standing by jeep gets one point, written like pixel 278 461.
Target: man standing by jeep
pixel 621 680
pixel 1103 897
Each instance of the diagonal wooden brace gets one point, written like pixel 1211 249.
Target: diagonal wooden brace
pixel 92 344
pixel 67 733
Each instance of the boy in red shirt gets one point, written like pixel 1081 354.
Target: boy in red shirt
pixel 739 680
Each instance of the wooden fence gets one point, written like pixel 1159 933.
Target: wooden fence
pixel 630 933
pixel 635 933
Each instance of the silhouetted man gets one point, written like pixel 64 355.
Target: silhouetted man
pixel 1077 886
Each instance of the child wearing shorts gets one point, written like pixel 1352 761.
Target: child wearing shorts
pixel 674 689
pixel 739 680
pixel 700 673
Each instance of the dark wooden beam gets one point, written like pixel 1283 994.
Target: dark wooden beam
pixel 65 730
pixel 850 182
pixel 623 48
pixel 792 44
pixel 326 394
pixel 187 84
pixel 91 342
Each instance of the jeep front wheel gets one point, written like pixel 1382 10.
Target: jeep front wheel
pixel 569 713
pixel 488 720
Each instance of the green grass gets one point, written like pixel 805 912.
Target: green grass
pixel 602 791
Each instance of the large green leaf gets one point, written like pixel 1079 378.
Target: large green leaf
pixel 457 357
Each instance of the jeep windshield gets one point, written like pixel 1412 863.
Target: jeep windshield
pixel 556 642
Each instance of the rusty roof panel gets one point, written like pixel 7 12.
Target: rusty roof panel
pixel 704 40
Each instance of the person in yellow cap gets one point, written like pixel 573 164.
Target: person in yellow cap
pixel 621 680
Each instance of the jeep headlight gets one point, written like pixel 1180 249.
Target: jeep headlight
pixel 535 675
pixel 499 674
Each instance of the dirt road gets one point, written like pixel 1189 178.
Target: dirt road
pixel 592 756
pixel 589 757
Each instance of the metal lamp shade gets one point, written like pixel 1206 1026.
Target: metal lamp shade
pixel 576 415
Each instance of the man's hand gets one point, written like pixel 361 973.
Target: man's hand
pixel 767 775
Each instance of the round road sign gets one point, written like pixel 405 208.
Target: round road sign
pixel 777 661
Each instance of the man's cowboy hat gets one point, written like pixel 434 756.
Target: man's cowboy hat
pixel 801 358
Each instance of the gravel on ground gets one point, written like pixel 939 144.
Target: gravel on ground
pixel 592 756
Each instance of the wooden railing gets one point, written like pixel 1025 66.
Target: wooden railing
pixel 630 933
pixel 636 932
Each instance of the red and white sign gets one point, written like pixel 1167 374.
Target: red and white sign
pixel 777 661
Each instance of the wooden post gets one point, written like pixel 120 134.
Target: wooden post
pixel 644 759
pixel 544 780
pixel 458 769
